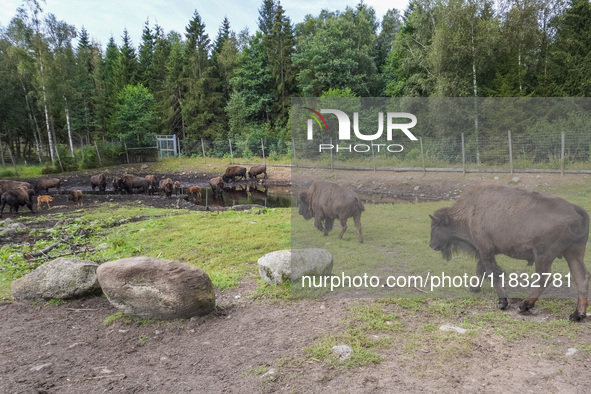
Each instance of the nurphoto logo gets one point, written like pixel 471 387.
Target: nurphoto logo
pixel 344 130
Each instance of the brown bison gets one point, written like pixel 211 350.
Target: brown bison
pixel 217 184
pixel 44 199
pixel 100 181
pixel 327 201
pixel 257 170
pixel 176 186
pixel 16 198
pixel 9 184
pixel 234 172
pixel 117 184
pixel 194 191
pixel 44 184
pixel 153 182
pixel 166 186
pixel 128 182
pixel 491 219
pixel 76 197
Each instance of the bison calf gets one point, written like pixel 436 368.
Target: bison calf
pixel 194 191
pixel 326 201
pixel 76 197
pixel 492 219
pixel 176 187
pixel 44 199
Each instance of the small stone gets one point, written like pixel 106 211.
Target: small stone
pixel 40 367
pixel 447 327
pixel 570 351
pixel 343 351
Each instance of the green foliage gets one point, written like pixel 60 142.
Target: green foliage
pixel 134 114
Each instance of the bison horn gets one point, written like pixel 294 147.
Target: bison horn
pixel 433 218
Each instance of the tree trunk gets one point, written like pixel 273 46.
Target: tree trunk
pixel 69 128
pixel 33 121
pixel 475 86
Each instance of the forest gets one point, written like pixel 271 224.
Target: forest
pixel 62 94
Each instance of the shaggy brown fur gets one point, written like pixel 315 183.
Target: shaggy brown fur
pixel 326 201
pixel 234 172
pixel 491 219
pixel 194 191
pixel 44 199
pixel 76 197
pixel 16 198
pixel 257 170
pixel 100 181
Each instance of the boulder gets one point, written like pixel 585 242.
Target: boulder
pixel 156 289
pixel 281 265
pixel 12 228
pixel 61 278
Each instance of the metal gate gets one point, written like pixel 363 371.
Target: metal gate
pixel 168 145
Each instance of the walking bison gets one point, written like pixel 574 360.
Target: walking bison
pixel 16 198
pixel 166 186
pixel 491 219
pixel 44 184
pixel 257 170
pixel 76 197
pixel 326 201
pixel 234 172
pixel 100 181
pixel 128 182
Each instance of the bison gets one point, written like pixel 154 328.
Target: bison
pixel 176 186
pixel 100 181
pixel 153 182
pixel 128 182
pixel 76 197
pixel 44 184
pixel 234 172
pixel 492 219
pixel 16 198
pixel 117 184
pixel 217 184
pixel 257 170
pixel 43 199
pixel 327 201
pixel 166 186
pixel 9 184
pixel 194 191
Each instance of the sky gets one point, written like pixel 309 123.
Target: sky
pixel 105 18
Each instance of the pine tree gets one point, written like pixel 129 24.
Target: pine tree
pixel 146 54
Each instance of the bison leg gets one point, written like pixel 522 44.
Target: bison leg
pixel 343 227
pixel 357 219
pixel 328 224
pixel 318 224
pixel 543 265
pixel 481 273
pixel 490 265
pixel 574 256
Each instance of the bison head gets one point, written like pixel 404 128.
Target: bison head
pixel 304 206
pixel 441 233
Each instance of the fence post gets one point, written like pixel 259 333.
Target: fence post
pixel 126 154
pixel 98 154
pixel 331 165
pixel 422 154
pixel 263 147
pixel 510 152
pixel 295 162
pixel 177 144
pixel 203 150
pixel 562 156
pixel 231 154
pixel 463 156
pixel 2 153
pixel 373 158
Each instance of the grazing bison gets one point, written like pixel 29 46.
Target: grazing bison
pixel 9 184
pixel 128 182
pixel 76 197
pixel 153 182
pixel 43 199
pixel 100 181
pixel 257 170
pixel 176 186
pixel 166 186
pixel 194 191
pixel 234 172
pixel 16 198
pixel 44 184
pixel 491 219
pixel 217 184
pixel 327 201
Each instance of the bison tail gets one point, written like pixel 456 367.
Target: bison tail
pixel 581 229
pixel 359 205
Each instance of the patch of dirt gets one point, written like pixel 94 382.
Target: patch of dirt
pixel 256 345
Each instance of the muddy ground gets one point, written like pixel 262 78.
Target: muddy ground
pixel 256 345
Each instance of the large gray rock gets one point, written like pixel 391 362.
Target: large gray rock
pixel 12 228
pixel 60 278
pixel 156 289
pixel 281 265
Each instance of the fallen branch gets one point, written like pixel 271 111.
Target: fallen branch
pixel 52 246
pixel 421 290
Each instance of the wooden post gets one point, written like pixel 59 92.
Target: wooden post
pixel 463 156
pixel 98 154
pixel 562 156
pixel 510 152
pixel 263 147
pixel 231 154
pixel 203 150
pixel 422 154
pixel 126 154
pixel 373 158
pixel 295 162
